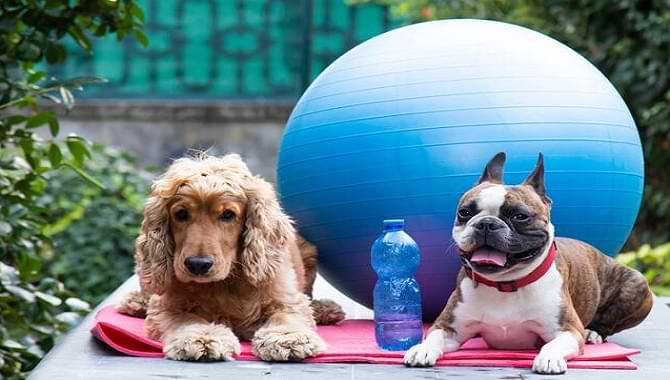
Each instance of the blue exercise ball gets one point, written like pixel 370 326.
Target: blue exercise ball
pixel 401 125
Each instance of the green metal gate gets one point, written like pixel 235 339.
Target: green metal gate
pixel 228 49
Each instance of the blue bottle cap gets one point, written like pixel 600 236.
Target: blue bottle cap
pixel 393 224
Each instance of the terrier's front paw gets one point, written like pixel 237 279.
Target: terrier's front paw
pixel 271 344
pixel 593 337
pixel 549 364
pixel 206 343
pixel 422 355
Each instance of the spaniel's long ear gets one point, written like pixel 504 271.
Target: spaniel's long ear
pixel 154 248
pixel 267 231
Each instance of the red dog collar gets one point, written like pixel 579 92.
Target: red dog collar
pixel 513 286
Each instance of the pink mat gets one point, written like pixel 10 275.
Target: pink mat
pixel 353 341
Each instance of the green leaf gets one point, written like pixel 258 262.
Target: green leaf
pixel 64 222
pixel 141 38
pixel 68 98
pixel 21 164
pixel 40 119
pixel 46 330
pixel 21 293
pixel 29 264
pixel 35 351
pixel 77 305
pixel 84 175
pixel 51 300
pixel 28 51
pixel 54 127
pixel 12 344
pixel 101 30
pixel 15 119
pixel 69 318
pixel 7 25
pixel 8 274
pixel 83 80
pixel 55 155
pixel 5 228
pixel 77 146
pixel 79 37
pixel 55 53
pixel 136 11
pixel 27 101
pixel 36 76
pixel 53 98
pixel 26 145
pixel 38 185
pixel 51 284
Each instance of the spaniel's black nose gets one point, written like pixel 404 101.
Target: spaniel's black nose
pixel 199 265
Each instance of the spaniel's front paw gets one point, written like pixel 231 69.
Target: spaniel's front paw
pixel 134 304
pixel 276 344
pixel 202 342
pixel 327 312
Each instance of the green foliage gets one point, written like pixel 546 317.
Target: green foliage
pixel 627 40
pixel 32 314
pixel 94 229
pixel 654 263
pixel 35 308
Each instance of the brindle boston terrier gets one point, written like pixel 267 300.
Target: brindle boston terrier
pixel 521 288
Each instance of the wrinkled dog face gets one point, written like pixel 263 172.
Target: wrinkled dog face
pixel 501 229
pixel 206 228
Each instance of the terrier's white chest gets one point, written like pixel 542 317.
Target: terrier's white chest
pixel 510 320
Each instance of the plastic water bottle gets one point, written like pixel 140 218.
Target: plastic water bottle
pixel 397 296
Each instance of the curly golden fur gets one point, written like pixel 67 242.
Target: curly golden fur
pixel 222 261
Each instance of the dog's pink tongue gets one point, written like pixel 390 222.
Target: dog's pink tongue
pixel 489 256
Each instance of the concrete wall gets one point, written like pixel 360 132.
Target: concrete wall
pixel 157 132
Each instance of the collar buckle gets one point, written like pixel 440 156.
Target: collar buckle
pixel 507 286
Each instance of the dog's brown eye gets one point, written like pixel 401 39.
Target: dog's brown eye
pixel 520 217
pixel 227 216
pixel 464 213
pixel 181 215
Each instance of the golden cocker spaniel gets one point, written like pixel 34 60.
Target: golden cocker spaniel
pixel 219 260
